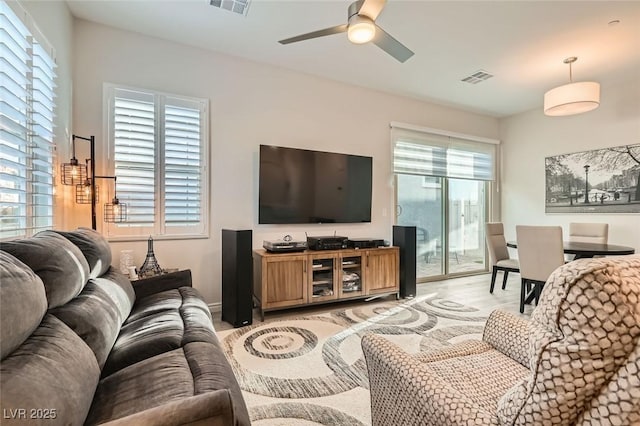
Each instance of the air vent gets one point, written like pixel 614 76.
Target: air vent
pixel 477 77
pixel 238 6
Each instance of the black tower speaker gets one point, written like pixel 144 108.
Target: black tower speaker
pixel 405 238
pixel 237 277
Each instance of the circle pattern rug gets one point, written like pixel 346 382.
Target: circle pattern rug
pixel 310 370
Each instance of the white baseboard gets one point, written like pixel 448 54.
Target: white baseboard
pixel 215 307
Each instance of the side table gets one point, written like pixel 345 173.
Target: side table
pixel 146 286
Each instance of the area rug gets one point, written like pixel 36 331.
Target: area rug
pixel 310 370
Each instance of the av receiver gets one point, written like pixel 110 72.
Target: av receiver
pixel 364 243
pixel 333 242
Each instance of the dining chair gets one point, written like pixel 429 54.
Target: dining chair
pixel 499 254
pixel 540 252
pixel 589 232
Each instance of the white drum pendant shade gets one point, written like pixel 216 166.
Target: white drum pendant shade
pixel 572 98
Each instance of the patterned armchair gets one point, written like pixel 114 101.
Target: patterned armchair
pixel 576 362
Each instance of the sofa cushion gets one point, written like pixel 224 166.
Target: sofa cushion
pixel 194 369
pixel 58 262
pixel 582 338
pixel 93 246
pixel 97 313
pixel 52 371
pixel 23 303
pixel 160 323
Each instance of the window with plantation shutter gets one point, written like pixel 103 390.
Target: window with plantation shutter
pixel 27 110
pixel 157 146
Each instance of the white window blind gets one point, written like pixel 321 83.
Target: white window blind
pixel 159 157
pixel 27 110
pixel 430 154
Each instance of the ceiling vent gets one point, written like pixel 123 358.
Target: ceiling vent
pixel 477 77
pixel 238 6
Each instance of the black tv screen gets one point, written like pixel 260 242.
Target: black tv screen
pixel 304 186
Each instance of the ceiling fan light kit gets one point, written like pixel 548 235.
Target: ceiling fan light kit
pixel 361 28
pixel 572 98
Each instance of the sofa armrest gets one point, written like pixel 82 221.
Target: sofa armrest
pixel 147 286
pixel 211 408
pixel 406 391
pixel 508 334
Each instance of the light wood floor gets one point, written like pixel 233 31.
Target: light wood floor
pixel 471 290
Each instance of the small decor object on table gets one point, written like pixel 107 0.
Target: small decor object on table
pixel 126 261
pixel 150 267
pixel 133 274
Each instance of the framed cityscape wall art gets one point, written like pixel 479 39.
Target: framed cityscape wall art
pixel 604 180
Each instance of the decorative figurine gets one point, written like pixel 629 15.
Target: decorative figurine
pixel 150 267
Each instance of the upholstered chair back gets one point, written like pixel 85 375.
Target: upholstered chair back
pixel 496 242
pixel 584 348
pixel 540 251
pixel 589 232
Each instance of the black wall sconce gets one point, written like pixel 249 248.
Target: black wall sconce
pixel 73 173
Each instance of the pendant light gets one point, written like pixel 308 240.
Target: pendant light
pixel 73 173
pixel 115 211
pixel 84 190
pixel 572 98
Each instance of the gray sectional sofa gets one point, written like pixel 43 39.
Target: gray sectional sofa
pixel 81 345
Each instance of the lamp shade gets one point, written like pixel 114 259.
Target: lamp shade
pixel 361 29
pixel 115 212
pixel 73 173
pixel 572 98
pixel 83 193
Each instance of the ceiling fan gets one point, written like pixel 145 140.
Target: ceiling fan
pixel 361 28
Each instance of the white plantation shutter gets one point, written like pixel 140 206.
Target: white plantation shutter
pixel 159 157
pixel 43 104
pixel 183 166
pixel 134 155
pixel 27 107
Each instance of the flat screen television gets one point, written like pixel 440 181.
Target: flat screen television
pixel 304 186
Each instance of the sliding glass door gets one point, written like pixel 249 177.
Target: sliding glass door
pixel 449 216
pixel 466 212
pixel 442 188
pixel 420 204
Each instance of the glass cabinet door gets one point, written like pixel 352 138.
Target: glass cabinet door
pixel 323 279
pixel 350 276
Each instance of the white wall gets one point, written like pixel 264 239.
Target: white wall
pixel 530 137
pixel 55 22
pixel 251 104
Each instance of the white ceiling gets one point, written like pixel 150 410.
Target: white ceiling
pixel 522 43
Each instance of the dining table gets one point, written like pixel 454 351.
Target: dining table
pixel 587 250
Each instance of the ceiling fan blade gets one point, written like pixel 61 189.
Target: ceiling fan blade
pixel 315 34
pixel 372 8
pixel 393 47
